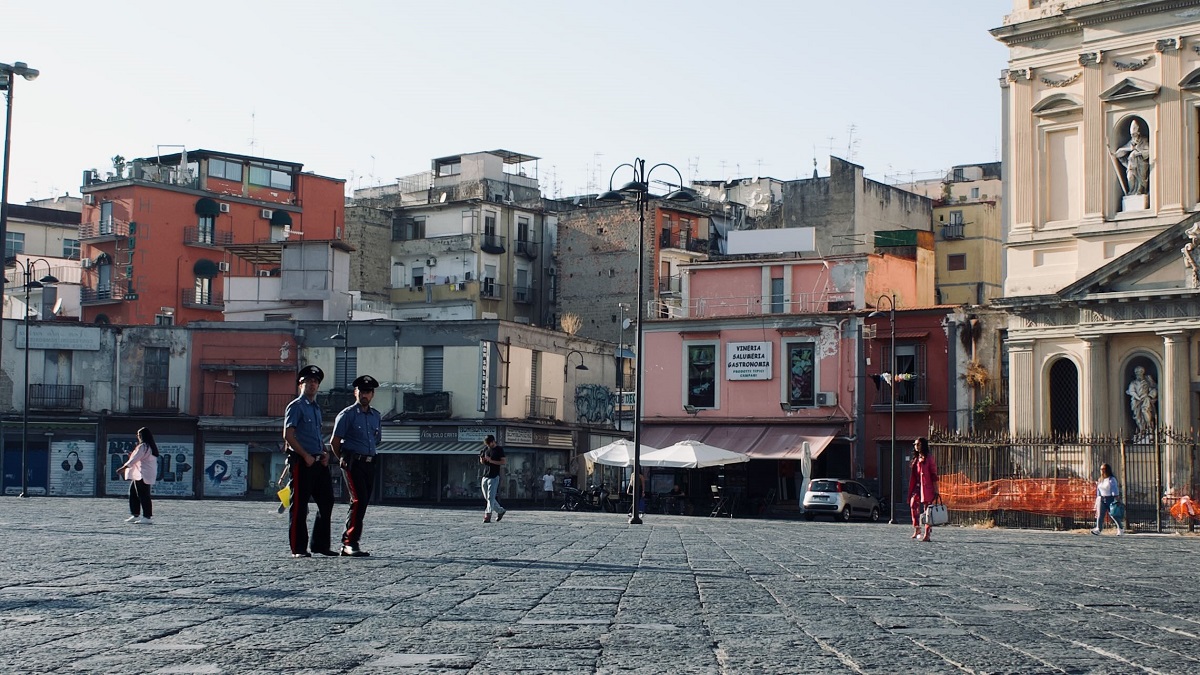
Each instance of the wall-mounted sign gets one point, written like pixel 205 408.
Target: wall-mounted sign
pixel 485 361
pixel 748 361
pixel 53 336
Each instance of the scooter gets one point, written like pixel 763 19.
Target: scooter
pixel 594 498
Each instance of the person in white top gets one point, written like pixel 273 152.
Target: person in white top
pixel 141 469
pixel 548 486
pixel 1107 491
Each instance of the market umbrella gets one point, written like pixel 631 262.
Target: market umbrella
pixel 617 453
pixel 692 455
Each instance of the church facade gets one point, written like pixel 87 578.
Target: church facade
pixel 1101 105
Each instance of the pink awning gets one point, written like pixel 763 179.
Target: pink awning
pixel 662 436
pixel 759 441
pixel 787 442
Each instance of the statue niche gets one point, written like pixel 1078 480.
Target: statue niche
pixel 1131 163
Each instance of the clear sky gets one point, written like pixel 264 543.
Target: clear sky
pixel 372 90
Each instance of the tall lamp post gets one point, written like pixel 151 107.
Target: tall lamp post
pixel 639 190
pixel 891 399
pixel 27 269
pixel 8 79
pixel 343 334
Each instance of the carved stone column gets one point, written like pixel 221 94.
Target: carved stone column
pixel 1174 400
pixel 1095 393
pixel 1167 171
pixel 1024 182
pixel 1095 154
pixel 1022 391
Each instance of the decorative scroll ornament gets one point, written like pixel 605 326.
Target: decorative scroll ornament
pixel 1018 74
pixel 1133 65
pixel 1166 43
pixel 1091 58
pixel 1049 82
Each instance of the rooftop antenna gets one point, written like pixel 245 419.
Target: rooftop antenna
pixel 593 170
pixel 253 140
pixel 758 167
pixel 372 174
pixel 852 143
pixel 693 168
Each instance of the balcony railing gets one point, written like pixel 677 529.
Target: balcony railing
pixel 106 228
pixel 952 232
pixel 247 404
pixel 541 408
pixel 151 399
pixel 190 297
pixel 434 405
pixel 491 290
pixel 669 285
pixel 529 249
pixel 104 294
pixel 491 243
pixel 56 396
pixel 523 295
pixel 682 241
pixel 194 236
pixel 334 401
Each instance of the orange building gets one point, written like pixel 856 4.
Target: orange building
pixel 154 234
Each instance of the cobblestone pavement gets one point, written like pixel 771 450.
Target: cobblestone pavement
pixel 210 588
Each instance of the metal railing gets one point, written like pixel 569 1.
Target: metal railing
pixel 106 227
pixel 673 284
pixel 194 236
pixel 248 404
pixel 529 249
pixel 491 243
pixel 101 294
pixel 795 303
pixel 434 405
pixel 952 232
pixel 490 289
pixel 151 399
pixel 190 297
pixel 541 408
pixel 56 396
pixel 682 241
pixel 523 295
pixel 334 401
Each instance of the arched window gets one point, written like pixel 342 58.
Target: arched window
pixel 1064 398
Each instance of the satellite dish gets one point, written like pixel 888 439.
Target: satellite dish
pixel 102 320
pixel 442 199
pixel 625 324
pixel 58 307
pixel 704 192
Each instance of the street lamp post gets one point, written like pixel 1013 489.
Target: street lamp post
pixel 27 269
pixel 639 190
pixel 343 334
pixel 891 399
pixel 8 79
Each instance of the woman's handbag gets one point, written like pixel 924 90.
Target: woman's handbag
pixel 1117 511
pixel 936 514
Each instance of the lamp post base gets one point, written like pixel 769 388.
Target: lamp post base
pixel 635 519
pixel 23 495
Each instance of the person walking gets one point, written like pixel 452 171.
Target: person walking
pixel 356 435
pixel 1107 492
pixel 310 468
pixel 141 469
pixel 548 487
pixel 922 486
pixel 492 459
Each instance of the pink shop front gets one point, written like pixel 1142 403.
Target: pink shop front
pixel 441 463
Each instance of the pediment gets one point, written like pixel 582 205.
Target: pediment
pixel 1192 81
pixel 1157 266
pixel 1128 88
pixel 1058 104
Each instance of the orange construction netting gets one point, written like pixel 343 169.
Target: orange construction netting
pixel 1066 497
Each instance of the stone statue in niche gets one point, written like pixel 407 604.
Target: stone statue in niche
pixel 1131 162
pixel 1191 256
pixel 1143 404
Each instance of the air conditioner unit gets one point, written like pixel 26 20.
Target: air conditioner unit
pixel 431 262
pixel 267 213
pixel 550 271
pixel 264 273
pixel 87 263
pixel 89 199
pixel 224 207
pixel 222 266
pixel 337 233
pixel 826 399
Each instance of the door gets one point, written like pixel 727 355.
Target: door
pixel 250 399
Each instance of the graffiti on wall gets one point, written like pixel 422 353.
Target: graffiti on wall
pixel 594 404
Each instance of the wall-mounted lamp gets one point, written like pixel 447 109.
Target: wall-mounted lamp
pixel 786 407
pixel 578 367
pixel 691 410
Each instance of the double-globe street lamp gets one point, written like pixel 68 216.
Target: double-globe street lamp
pixel 639 190
pixel 27 269
pixel 891 299
pixel 8 79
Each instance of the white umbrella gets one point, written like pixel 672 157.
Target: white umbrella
pixel 692 455
pixel 617 453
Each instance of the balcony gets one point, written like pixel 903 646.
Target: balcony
pixel 107 229
pixel 190 297
pixel 56 397
pixel 105 295
pixel 527 249
pixel 195 236
pixel 152 399
pixel 669 285
pixel 541 408
pixel 953 232
pixel 434 405
pixel 682 241
pixel 248 404
pixel 490 290
pixel 491 243
pixel 524 295
pixel 334 401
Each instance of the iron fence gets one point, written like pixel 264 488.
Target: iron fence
pixel 1050 482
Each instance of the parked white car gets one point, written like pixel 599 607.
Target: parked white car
pixel 843 499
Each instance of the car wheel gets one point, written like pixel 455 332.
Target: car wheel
pixel 845 514
pixel 876 515
pixel 810 516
